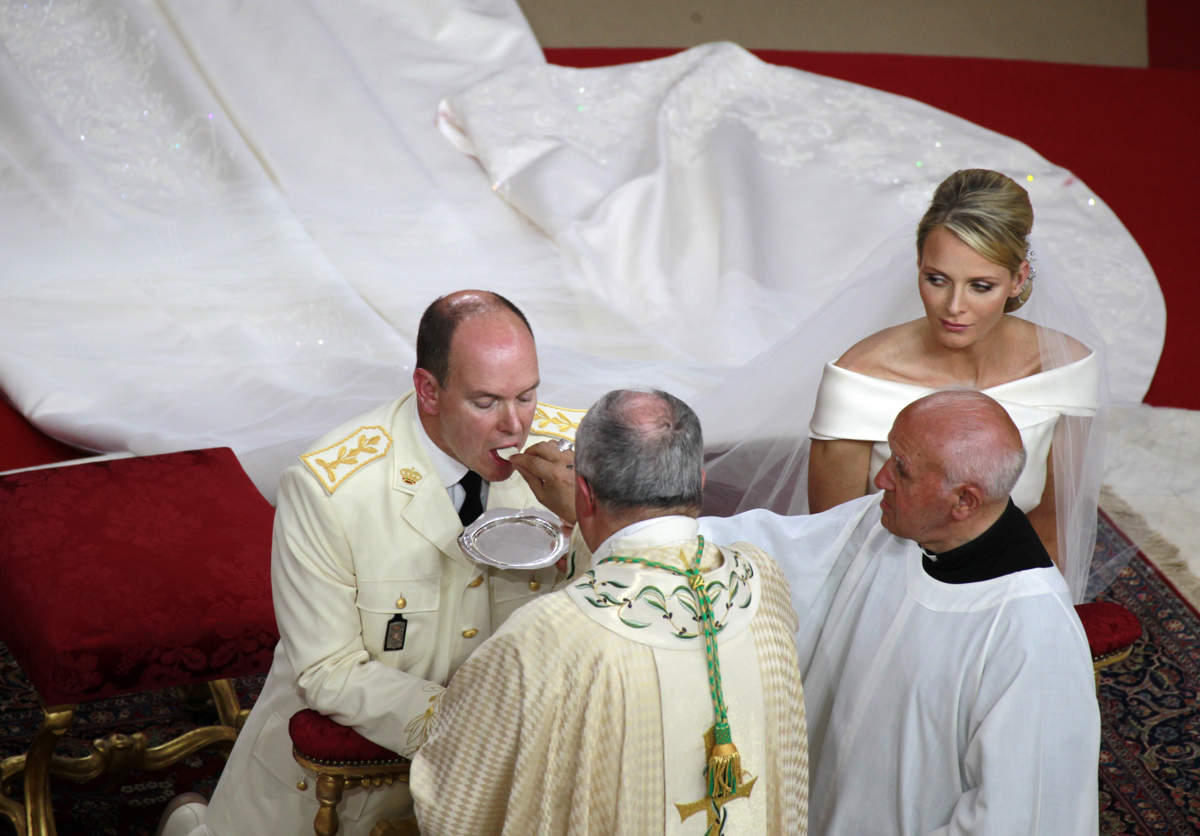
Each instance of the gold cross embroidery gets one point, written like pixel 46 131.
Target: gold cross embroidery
pixel 713 805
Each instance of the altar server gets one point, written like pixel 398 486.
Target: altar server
pixel 948 681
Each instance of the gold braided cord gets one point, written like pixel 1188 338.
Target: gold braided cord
pixel 724 762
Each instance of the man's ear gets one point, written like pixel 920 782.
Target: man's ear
pixel 427 389
pixel 967 500
pixel 585 498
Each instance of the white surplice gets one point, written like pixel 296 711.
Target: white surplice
pixel 933 708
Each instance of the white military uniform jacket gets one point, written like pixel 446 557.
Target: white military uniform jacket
pixel 364 531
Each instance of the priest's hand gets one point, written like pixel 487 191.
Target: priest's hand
pixel 550 472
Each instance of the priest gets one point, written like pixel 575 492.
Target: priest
pixel 657 694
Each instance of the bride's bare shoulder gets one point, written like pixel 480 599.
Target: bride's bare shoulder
pixel 875 355
pixel 1031 348
pixel 1062 348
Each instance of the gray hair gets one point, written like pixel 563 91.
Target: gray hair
pixel 980 445
pixel 641 449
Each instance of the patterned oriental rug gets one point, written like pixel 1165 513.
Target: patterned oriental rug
pixel 1150 736
pixel 1149 757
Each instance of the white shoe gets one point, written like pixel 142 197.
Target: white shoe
pixel 183 814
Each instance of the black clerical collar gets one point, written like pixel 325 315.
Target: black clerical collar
pixel 1010 545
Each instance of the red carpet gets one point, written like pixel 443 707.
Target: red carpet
pixel 1129 133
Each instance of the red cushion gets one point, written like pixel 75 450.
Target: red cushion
pixel 135 574
pixel 24 445
pixel 1109 627
pixel 322 739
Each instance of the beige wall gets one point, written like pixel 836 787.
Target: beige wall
pixel 1077 31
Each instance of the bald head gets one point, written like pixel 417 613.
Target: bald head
pixel 971 438
pixel 642 450
pixel 955 457
pixel 441 319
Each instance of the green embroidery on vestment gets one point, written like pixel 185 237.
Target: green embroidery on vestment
pixel 678 606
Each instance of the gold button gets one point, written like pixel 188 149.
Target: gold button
pixel 535 586
pixel 470 634
pixel 475 582
pixel 401 602
pixel 302 785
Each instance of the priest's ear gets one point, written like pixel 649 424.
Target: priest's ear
pixel 585 498
pixel 968 499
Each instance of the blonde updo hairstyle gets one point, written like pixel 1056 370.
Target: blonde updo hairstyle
pixel 989 213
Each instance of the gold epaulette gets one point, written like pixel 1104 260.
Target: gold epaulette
pixel 556 421
pixel 334 464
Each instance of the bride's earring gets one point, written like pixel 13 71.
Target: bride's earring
pixel 1021 296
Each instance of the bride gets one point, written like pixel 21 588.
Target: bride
pixel 973 272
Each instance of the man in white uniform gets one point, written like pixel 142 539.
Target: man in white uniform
pixel 375 602
pixel 657 694
pixel 947 677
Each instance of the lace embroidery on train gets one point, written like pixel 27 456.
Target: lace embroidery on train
pixel 98 76
pixel 603 112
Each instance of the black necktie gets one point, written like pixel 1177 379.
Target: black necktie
pixel 472 506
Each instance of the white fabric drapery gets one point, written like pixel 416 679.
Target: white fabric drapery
pixel 221 222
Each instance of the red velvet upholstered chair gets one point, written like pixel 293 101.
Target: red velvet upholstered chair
pixel 342 758
pixel 130 575
pixel 1111 631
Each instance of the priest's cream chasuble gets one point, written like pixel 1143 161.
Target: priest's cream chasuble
pixel 587 712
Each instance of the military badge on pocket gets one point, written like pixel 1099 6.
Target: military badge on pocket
pixel 393 639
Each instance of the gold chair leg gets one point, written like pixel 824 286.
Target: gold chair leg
pixel 329 794
pixel 39 813
pixel 228 708
pixel 113 756
pixel 1111 659
pixel 116 755
pixel 15 813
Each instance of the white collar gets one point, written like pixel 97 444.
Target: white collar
pixel 656 531
pixel 449 470
pixel 645 605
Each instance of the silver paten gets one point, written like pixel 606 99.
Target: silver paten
pixel 514 538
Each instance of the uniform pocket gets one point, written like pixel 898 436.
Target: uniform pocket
pixel 379 602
